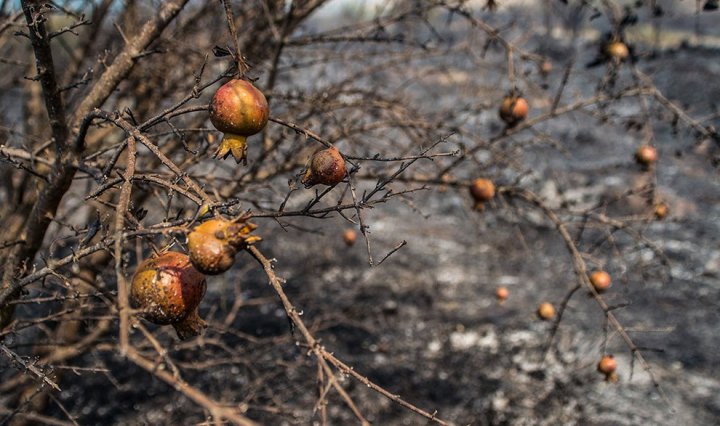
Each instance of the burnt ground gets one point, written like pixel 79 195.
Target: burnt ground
pixel 426 326
pixel 425 323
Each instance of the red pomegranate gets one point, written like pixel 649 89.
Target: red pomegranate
pixel 238 110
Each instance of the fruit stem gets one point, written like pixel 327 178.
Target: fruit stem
pixel 191 326
pixel 308 178
pixel 233 144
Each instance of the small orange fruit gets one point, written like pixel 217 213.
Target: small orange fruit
pixel 600 280
pixel 513 110
pixel 661 210
pixel 646 155
pixel 607 364
pixel 502 293
pixel 482 190
pixel 546 311
pixel 349 237
pixel 239 110
pixel 617 50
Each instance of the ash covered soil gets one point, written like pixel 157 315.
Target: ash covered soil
pixel 425 324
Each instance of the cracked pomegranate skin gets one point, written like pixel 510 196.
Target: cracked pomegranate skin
pixel 167 288
pixel 210 255
pixel 214 243
pixel 210 250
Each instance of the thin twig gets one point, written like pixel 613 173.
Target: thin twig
pixel 318 349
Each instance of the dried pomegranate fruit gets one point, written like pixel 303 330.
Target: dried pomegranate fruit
pixel 239 110
pixel 617 50
pixel 326 167
pixel 168 290
pixel 546 311
pixel 482 190
pixel 349 237
pixel 513 110
pixel 214 243
pixel 546 67
pixel 600 280
pixel 502 293
pixel 646 155
pixel 607 366
pixel 661 210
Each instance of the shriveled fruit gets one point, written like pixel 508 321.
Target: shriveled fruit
pixel 546 67
pixel 661 210
pixel 482 190
pixel 546 311
pixel 513 110
pixel 646 155
pixel 214 243
pixel 168 290
pixel 349 237
pixel 600 280
pixel 608 366
pixel 239 110
pixel 326 167
pixel 617 50
pixel 502 293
